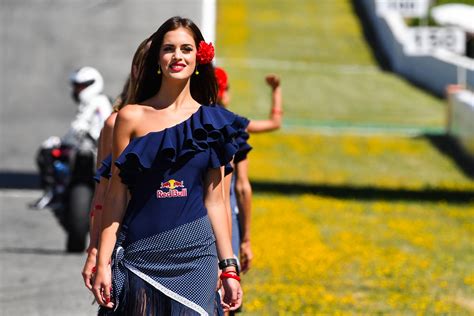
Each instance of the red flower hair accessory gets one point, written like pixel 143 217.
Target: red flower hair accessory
pixel 221 78
pixel 205 53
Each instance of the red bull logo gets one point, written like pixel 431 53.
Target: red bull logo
pixel 169 189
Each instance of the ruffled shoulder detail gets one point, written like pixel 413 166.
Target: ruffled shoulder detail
pixel 104 171
pixel 242 138
pixel 210 128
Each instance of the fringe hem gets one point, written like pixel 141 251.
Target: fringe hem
pixel 142 299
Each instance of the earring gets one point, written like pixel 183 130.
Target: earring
pixel 159 70
pixel 196 72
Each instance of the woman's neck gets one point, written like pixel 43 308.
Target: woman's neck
pixel 173 93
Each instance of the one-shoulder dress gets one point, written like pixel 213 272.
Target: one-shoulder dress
pixel 165 258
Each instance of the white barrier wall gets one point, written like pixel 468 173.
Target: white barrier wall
pixel 461 118
pixel 433 72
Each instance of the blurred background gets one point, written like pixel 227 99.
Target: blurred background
pixel 363 201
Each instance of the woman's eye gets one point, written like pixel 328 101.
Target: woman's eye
pixel 168 49
pixel 187 49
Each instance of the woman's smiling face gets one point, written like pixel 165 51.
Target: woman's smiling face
pixel 178 54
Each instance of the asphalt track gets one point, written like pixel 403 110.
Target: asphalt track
pixel 37 276
pixel 41 42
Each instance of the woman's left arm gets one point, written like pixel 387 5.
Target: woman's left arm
pixel 216 209
pixel 227 184
pixel 243 192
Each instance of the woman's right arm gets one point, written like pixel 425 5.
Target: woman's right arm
pixel 87 270
pixel 94 223
pixel 104 148
pixel 114 206
pixel 276 113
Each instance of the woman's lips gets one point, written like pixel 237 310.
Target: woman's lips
pixel 177 67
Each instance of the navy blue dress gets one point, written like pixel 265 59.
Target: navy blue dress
pixel 165 259
pixel 104 171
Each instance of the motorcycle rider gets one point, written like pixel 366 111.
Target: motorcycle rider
pixel 93 108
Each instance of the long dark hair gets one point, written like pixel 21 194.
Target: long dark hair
pixel 127 96
pixel 121 100
pixel 203 86
pixel 136 69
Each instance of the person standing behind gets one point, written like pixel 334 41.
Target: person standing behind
pixel 105 160
pixel 239 184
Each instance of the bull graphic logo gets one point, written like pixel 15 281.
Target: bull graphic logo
pixel 171 189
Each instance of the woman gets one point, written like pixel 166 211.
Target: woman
pixel 169 151
pixel 239 184
pixel 104 156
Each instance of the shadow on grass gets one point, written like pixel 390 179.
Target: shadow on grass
pixel 449 147
pixel 379 51
pixel 26 180
pixel 365 192
pixel 371 38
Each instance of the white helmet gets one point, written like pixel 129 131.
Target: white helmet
pixel 91 79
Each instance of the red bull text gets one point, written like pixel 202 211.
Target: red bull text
pixel 168 189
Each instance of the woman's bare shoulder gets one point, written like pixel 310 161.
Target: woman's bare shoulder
pixel 110 121
pixel 130 113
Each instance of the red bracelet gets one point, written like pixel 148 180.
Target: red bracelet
pixel 94 269
pixel 277 111
pixel 97 207
pixel 226 275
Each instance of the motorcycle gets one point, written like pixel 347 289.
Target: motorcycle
pixel 67 175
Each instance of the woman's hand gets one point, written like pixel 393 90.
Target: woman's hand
pixel 89 267
pixel 273 81
pixel 246 256
pixel 232 292
pixel 102 286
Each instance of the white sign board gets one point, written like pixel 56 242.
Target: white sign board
pixel 425 40
pixel 407 8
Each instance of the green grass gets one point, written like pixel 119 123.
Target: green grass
pixel 335 78
pixel 440 2
pixel 395 249
pixel 356 257
pixel 391 162
pixel 322 245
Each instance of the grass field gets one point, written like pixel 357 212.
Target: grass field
pixel 357 224
pixel 320 255
pixel 380 162
pixel 328 71
pixel 344 223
